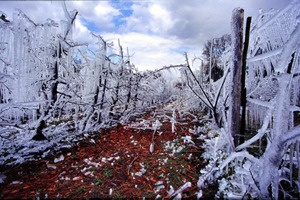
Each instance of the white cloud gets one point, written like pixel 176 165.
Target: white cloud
pixel 104 15
pixel 100 13
pixel 139 20
pixel 104 9
pixel 149 52
pixel 148 18
pixel 161 20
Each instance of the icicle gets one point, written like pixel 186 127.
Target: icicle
pixel 298 158
pixel 151 148
pixel 173 121
pixel 291 163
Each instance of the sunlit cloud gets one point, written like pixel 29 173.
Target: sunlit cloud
pixel 148 51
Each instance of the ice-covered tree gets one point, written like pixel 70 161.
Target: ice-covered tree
pixel 212 52
pixel 267 163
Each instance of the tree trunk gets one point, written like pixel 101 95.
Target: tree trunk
pixel 128 94
pixel 102 97
pixel 39 131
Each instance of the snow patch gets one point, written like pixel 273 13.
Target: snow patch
pixel 16 182
pixel 59 159
pixel 142 170
pixel 2 178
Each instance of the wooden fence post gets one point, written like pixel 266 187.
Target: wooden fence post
pixel 243 80
pixel 234 120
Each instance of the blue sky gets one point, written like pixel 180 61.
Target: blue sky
pixel 124 9
pixel 156 32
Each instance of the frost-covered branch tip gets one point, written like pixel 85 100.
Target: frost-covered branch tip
pixel 234 155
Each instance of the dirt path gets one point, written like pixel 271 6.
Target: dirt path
pixel 114 164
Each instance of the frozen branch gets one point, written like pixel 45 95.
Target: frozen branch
pixel 234 155
pixel 221 86
pixel 188 83
pixel 292 135
pixel 260 134
pixel 193 75
pixel 180 190
pixel 26 17
pixel 170 67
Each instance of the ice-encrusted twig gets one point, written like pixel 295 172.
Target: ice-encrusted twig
pixel 235 155
pixel 180 190
pixel 156 126
pixel 130 165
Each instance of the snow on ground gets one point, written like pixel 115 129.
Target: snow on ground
pixel 17 145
